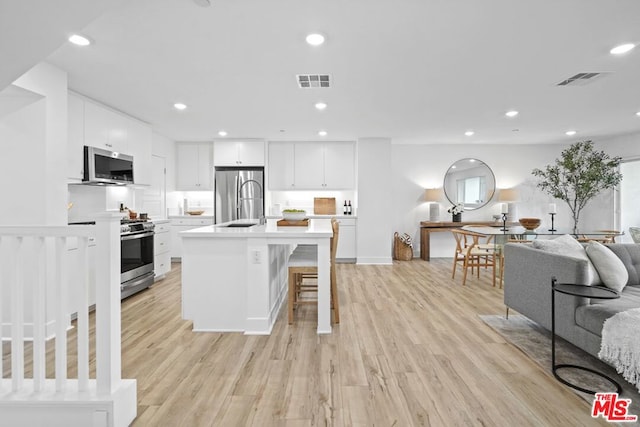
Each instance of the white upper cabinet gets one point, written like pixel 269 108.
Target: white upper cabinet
pixel 194 169
pixel 95 125
pixel 339 165
pixel 105 129
pixel 311 165
pixel 238 153
pixel 281 166
pixel 139 141
pixel 75 138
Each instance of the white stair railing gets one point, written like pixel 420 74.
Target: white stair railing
pixel 37 277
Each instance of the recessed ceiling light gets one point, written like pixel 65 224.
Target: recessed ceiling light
pixel 511 113
pixel 179 106
pixel 79 40
pixel 638 114
pixel 321 105
pixel 623 48
pixel 469 133
pixel 322 133
pixel 315 39
pixel 222 133
pixel 570 132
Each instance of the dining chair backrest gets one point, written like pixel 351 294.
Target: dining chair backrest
pixel 464 239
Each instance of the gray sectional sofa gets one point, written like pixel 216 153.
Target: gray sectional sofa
pixel 527 289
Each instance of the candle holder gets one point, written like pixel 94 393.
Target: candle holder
pixel 552 229
pixel 504 223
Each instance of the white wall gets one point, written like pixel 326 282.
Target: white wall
pixel 416 167
pixel 34 140
pixel 375 213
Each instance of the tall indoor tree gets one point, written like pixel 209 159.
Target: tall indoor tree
pixel 579 175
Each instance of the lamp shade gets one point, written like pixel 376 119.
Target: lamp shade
pixel 508 195
pixel 433 194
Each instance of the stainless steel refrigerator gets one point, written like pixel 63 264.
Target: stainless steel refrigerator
pixel 239 193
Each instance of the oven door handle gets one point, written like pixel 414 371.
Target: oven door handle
pixel 135 236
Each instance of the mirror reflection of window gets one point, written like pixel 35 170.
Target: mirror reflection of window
pixel 471 182
pixel 472 191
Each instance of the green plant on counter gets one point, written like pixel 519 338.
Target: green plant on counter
pixel 579 175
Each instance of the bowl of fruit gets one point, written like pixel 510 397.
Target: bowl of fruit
pixel 294 214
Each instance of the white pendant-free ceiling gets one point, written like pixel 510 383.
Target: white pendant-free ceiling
pixel 417 72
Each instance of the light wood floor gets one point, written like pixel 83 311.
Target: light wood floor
pixel 410 350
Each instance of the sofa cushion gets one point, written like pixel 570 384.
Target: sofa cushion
pixel 611 269
pixel 567 245
pixel 629 254
pixel 592 316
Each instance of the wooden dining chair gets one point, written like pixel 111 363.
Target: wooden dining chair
pixel 471 255
pixel 303 268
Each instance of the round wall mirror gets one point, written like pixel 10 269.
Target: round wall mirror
pixel 470 182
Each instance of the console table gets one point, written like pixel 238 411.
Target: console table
pixel 428 227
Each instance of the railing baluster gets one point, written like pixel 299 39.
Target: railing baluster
pixel 83 315
pixel 17 315
pixel 39 295
pixel 61 312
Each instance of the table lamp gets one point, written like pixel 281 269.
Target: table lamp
pixel 433 196
pixel 509 196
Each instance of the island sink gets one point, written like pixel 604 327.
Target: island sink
pixel 241 224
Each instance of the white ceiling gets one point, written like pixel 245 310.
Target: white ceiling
pixel 417 71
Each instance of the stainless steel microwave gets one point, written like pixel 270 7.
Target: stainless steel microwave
pixel 102 167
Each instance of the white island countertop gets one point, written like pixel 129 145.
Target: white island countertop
pixel 236 278
pixel 317 228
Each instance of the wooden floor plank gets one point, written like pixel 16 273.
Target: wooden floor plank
pixel 410 350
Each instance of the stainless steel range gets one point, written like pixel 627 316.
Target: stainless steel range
pixel 136 262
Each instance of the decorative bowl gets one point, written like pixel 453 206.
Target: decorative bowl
pixel 195 212
pixel 294 216
pixel 530 223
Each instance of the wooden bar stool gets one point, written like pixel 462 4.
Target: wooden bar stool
pixel 303 266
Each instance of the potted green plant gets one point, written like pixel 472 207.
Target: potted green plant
pixel 579 175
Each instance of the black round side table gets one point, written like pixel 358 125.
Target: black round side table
pixel 595 292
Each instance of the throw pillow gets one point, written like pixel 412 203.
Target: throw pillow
pixel 611 269
pixel 569 246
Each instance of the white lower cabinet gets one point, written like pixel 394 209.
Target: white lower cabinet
pixel 180 224
pixel 346 251
pixel 161 249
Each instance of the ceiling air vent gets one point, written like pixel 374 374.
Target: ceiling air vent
pixel 306 81
pixel 581 79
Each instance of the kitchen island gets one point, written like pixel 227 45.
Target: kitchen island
pixel 235 278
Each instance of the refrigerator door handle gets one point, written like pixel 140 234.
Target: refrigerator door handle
pixel 238 205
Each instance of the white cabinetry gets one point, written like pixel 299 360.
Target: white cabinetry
pixel 180 224
pixel 139 137
pixel 75 137
pixel 346 240
pixel 194 166
pixel 95 125
pixel 339 165
pixel 105 129
pixel 281 166
pixel 162 249
pixel 238 153
pixel 311 165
